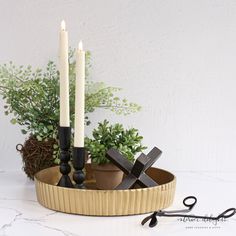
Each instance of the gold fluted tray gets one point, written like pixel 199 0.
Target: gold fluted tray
pixel 95 202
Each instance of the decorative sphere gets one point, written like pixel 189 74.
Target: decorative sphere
pixel 79 176
pixel 65 168
pixel 65 156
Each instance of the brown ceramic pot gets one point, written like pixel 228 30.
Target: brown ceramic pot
pixel 107 176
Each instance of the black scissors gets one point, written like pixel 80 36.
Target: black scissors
pixel 189 202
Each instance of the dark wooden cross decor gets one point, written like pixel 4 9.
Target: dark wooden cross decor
pixel 135 172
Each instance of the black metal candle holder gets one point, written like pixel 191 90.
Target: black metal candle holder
pixel 79 156
pixel 65 156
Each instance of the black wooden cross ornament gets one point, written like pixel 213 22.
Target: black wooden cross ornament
pixel 135 172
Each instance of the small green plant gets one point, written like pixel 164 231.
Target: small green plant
pixel 106 136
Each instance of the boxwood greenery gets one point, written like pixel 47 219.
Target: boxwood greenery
pixel 106 136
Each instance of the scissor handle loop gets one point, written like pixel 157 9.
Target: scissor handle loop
pixel 191 204
pixel 227 213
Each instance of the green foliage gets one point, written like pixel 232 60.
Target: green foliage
pixel 107 136
pixel 32 97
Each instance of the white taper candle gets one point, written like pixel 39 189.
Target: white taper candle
pixel 79 97
pixel 64 77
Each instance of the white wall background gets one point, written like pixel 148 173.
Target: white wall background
pixel 175 58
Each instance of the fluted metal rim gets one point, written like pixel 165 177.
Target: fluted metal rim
pixel 104 202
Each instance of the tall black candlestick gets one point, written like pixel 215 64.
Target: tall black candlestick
pixel 65 169
pixel 79 156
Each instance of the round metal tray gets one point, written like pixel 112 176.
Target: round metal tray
pixel 95 202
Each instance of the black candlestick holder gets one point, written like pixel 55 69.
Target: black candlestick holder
pixel 65 156
pixel 79 156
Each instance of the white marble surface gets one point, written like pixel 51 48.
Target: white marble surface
pixel 20 213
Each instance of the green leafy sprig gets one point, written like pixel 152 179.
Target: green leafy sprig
pixel 32 97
